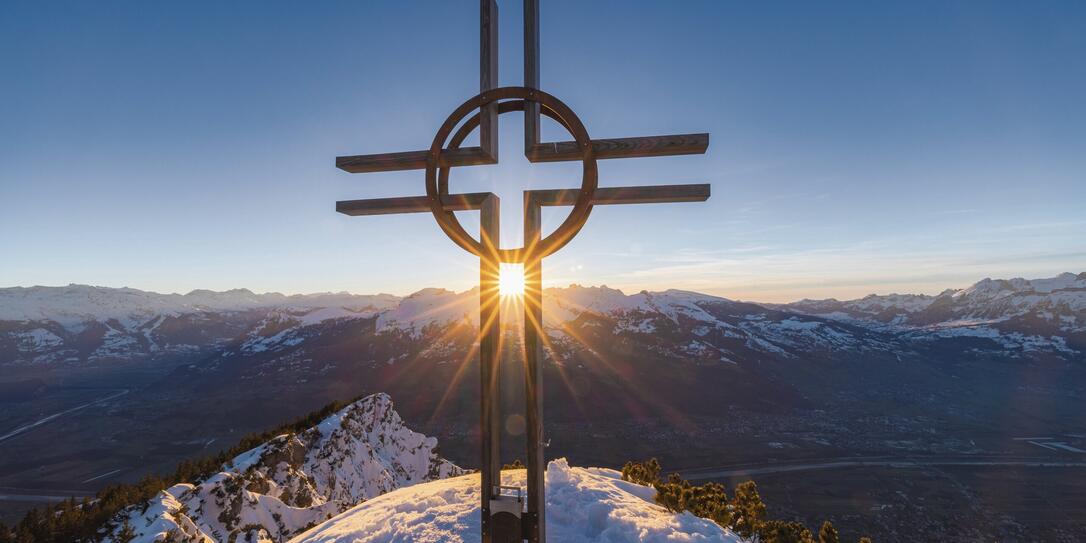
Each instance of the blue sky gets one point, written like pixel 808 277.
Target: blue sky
pixel 856 147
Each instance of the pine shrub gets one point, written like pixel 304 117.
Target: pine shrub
pixel 780 531
pixel 828 534
pixel 643 473
pixel 749 509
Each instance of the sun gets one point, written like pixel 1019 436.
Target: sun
pixel 511 280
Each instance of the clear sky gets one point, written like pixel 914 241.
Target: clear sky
pixel 856 147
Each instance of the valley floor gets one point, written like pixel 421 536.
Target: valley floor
pixel 921 452
pixel 935 503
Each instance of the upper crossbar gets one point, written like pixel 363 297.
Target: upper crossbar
pixel 410 204
pixel 645 146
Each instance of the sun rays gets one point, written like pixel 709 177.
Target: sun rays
pixel 568 348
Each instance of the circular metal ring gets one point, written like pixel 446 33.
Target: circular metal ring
pixel 437 189
pixel 471 124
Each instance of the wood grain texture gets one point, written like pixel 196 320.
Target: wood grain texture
pixel 531 73
pixel 644 146
pixel 656 194
pixel 410 204
pixel 412 160
pixel 490 418
pixel 659 194
pixel 488 75
pixel 535 519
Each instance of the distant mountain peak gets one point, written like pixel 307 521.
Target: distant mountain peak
pixel 431 291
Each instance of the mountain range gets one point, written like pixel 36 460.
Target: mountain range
pixel 82 324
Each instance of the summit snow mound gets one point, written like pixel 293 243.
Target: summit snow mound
pixel 583 505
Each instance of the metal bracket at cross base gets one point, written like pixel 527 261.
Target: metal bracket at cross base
pixel 509 517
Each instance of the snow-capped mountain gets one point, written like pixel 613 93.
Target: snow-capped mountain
pixel 79 324
pixel 1012 314
pixel 135 324
pixel 705 328
pixel 293 482
pixel 74 306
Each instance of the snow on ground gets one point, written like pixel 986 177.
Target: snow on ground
pixel 35 339
pixel 1010 341
pixel 294 481
pixel 583 504
pixel 291 325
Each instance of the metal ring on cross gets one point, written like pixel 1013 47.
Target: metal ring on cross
pixel 437 189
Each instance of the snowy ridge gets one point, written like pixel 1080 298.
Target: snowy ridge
pixel 987 299
pixel 563 305
pixel 287 327
pixel 74 305
pixel 1018 315
pixel 431 306
pixel 583 504
pixel 295 481
pixel 85 323
pixel 697 326
pixel 77 323
pixel 890 308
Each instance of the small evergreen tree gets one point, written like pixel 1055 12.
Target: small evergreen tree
pixel 643 473
pixel 711 501
pixel 126 533
pixel 174 536
pixel 673 494
pixel 780 531
pixel 828 534
pixel 748 509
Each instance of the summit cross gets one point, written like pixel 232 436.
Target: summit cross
pixel 508 513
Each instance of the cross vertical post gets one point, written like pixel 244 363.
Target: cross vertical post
pixel 488 76
pixel 535 519
pixel 489 359
pixel 531 73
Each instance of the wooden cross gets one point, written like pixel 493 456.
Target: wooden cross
pixel 508 518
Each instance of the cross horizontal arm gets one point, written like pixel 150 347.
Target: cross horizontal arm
pixel 412 160
pixel 410 204
pixel 644 146
pixel 658 194
pixel 674 144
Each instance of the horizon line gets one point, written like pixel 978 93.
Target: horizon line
pixel 628 292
